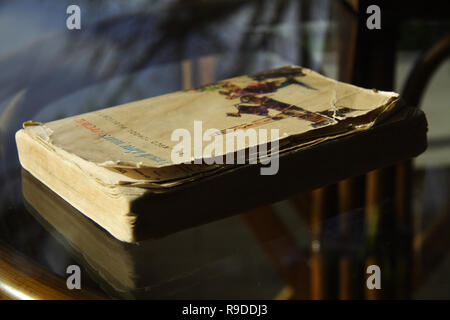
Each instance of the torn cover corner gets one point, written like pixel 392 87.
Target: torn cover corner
pixel 31 123
pixel 39 129
pixel 393 104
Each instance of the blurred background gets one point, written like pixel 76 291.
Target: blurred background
pixel 130 50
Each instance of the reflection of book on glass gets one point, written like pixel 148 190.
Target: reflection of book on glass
pixel 200 262
pixel 105 162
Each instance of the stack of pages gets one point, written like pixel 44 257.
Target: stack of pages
pixel 103 161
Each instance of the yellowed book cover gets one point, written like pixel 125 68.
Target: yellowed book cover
pixel 103 161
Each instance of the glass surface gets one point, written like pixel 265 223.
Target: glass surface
pixel 131 50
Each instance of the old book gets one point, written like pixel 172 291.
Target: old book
pixel 106 162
